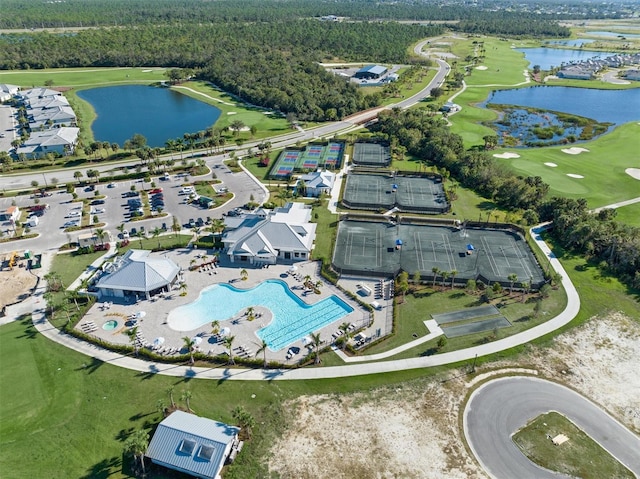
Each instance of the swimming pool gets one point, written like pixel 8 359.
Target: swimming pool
pixel 110 325
pixel 292 318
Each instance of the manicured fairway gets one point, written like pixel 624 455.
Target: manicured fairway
pixel 603 167
pixel 77 77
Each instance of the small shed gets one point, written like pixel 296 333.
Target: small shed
pixel 559 439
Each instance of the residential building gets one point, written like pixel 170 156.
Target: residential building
pixel 54 117
pixel 12 214
pixel 194 445
pixel 60 141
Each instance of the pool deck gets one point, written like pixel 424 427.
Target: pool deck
pixel 154 325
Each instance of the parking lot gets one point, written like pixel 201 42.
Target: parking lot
pixel 113 209
pixel 7 127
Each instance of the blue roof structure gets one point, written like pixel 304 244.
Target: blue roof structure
pixel 373 69
pixel 191 444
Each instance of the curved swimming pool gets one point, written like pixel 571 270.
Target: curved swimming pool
pixel 292 318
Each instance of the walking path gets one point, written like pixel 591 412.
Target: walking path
pixel 224 373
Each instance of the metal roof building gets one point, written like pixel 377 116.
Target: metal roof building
pixel 136 273
pixel 370 72
pixel 194 445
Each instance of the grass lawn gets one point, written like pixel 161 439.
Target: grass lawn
pixel 580 456
pixel 629 214
pixel 83 77
pixel 165 241
pixel 70 265
pixel 603 167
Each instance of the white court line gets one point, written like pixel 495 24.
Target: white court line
pixel 419 255
pixel 492 260
pixel 448 249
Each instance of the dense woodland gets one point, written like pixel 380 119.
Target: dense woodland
pixel 613 246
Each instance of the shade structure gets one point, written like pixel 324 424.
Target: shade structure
pixel 225 331
pixel 470 247
pixel 306 340
pixel 399 242
pixel 158 342
pixel 141 314
pixel 293 267
pixel 196 340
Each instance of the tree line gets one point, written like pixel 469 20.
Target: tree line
pixel 73 13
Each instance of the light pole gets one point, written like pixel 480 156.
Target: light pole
pixel 45 180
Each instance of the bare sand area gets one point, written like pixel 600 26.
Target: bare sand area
pixel 15 284
pixel 574 150
pixel 552 165
pixel 573 175
pixel 506 155
pixel 481 67
pixel 412 430
pixel 633 173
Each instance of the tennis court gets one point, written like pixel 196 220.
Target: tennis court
pixel 465 314
pixel 494 254
pixel 371 154
pixel 312 157
pixel 419 194
pixel 476 327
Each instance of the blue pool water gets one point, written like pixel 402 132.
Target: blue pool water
pixel 292 318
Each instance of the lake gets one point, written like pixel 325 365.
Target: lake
pixel 159 114
pixel 571 43
pixel 614 34
pixel 554 57
pixel 613 106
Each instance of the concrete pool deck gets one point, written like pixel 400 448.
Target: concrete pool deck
pixel 154 323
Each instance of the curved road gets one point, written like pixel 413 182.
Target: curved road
pixel 498 408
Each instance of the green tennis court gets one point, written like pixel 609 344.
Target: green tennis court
pixel 476 327
pixel 385 248
pixel 371 154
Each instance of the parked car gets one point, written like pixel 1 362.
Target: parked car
pixel 125 234
pixel 111 185
pixel 134 231
pixel 187 190
pixel 97 202
pixel 70 224
pixel 192 223
pixel 97 211
pixel 130 194
pixel 155 191
pixel 73 214
pixel 164 227
pixel 200 222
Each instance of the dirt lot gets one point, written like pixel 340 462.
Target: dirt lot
pixel 15 284
pixel 413 431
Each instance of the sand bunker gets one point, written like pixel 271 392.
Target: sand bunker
pixel 147 71
pixel 633 173
pixel 232 112
pixel 552 165
pixel 481 67
pixel 506 155
pixel 573 175
pixel 574 150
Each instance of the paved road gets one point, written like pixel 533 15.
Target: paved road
pixel 500 407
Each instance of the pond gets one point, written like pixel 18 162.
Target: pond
pixel 613 106
pixel 518 127
pixel 159 114
pixel 571 43
pixel 615 34
pixel 554 57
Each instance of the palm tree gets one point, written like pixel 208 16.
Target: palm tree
pixel 137 444
pixel 435 270
pixel 245 420
pixel 454 272
pixel 263 349
pixel 170 393
pixel 344 327
pixel 228 342
pixel 215 327
pixel 189 344
pixel 250 313
pixel 156 234
pixel 186 397
pixel 183 288
pixel 175 226
pixel 133 338
pixel 100 233
pixel 244 274
pixel 445 275
pixel 121 228
pixel 140 235
pixel 316 341
pixel 217 226
pixel 513 278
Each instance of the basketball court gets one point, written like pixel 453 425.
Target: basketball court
pixel 418 194
pixel 364 247
pixel 371 154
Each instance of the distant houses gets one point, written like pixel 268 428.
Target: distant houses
pixel 587 69
pixel 49 119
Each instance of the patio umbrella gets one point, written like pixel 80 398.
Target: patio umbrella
pixel 293 267
pixel 225 331
pixel 141 314
pixel 306 340
pixel 196 340
pixel 158 342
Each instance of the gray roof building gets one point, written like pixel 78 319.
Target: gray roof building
pixel 8 91
pixel 138 274
pixel 50 117
pixel 318 182
pixel 284 234
pixel 370 72
pixel 58 140
pixel 194 445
